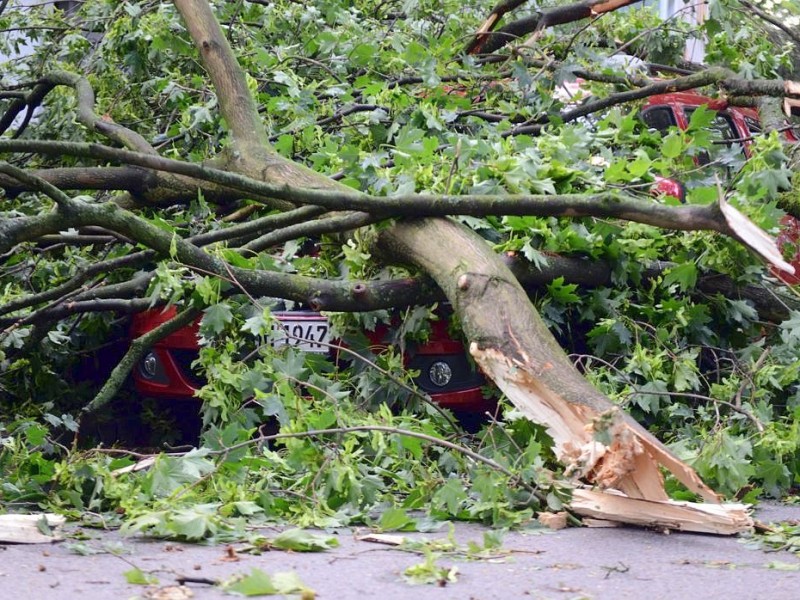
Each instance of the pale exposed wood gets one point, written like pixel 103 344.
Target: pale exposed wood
pixel 752 236
pixel 722 519
pixel 487 26
pixel 597 442
pixel 140 465
pixel 600 523
pixel 629 462
pixel 553 520
pixel 30 529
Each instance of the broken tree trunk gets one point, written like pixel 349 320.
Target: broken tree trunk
pixel 508 338
pixel 597 442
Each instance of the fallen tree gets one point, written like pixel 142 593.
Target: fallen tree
pixel 597 443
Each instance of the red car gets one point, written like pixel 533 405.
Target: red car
pixel 445 372
pixel 733 126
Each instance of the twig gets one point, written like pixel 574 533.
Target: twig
pixel 136 351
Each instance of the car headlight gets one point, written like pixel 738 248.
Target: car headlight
pixel 440 373
pixel 150 365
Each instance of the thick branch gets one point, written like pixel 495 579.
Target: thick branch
pixel 542 19
pixel 127 137
pixel 604 205
pixel 132 179
pixel 513 346
pixel 235 100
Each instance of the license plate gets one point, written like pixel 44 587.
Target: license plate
pixel 308 332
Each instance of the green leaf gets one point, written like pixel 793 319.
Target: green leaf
pixel 171 472
pixel 685 275
pixel 428 572
pixel 259 324
pixel 195 523
pixel 641 165
pixel 216 317
pixel 701 118
pixel 394 519
pixel 790 329
pixel 741 311
pixel 702 195
pixel 300 540
pixel 563 292
pixel 285 145
pixel 672 145
pixel 234 258
pixel 259 583
pixel 138 577
pixel 451 495
pixel 773 180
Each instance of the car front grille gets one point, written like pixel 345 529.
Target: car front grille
pixel 183 360
pixel 463 377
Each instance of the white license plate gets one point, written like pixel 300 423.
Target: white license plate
pixel 308 332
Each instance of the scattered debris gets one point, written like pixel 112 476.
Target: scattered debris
pixel 169 592
pixel 230 555
pixel 553 520
pixel 30 529
pixel 430 572
pixel 721 519
pixel 382 538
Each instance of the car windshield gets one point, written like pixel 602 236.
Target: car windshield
pixel 727 146
pixel 659 118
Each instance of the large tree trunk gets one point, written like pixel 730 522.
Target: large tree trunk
pixel 512 345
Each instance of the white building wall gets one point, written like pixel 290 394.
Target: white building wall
pixel 692 11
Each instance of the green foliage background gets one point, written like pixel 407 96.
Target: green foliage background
pixel 703 372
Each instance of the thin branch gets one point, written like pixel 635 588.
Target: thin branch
pixel 337 116
pixel 317 227
pixel 83 275
pixel 486 43
pixel 135 353
pixel 390 430
pixel 709 76
pixel 86 101
pixel 792 33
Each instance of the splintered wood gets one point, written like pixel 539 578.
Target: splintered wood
pixel 30 529
pixel 723 519
pixel 613 453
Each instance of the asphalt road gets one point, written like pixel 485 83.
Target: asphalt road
pixel 568 564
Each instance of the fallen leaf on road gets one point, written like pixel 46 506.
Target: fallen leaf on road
pixel 170 592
